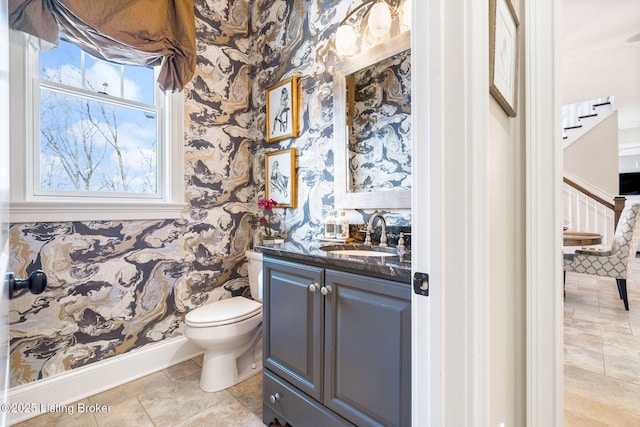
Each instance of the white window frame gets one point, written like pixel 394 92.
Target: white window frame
pixel 27 204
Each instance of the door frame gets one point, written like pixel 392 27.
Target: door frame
pixel 543 162
pixel 450 112
pixel 4 208
pixel 450 354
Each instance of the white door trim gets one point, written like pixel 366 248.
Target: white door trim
pixel 425 364
pixel 450 109
pixel 4 207
pixel 544 214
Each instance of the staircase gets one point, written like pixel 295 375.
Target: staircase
pixel 579 118
pixel 586 206
pixel 586 211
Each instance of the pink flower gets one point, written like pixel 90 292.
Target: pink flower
pixel 267 205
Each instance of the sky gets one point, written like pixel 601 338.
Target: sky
pixel 71 145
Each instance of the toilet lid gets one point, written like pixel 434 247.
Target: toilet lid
pixel 223 312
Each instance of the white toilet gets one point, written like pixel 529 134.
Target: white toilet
pixel 230 333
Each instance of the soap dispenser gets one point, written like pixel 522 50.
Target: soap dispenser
pixel 343 228
pixel 330 226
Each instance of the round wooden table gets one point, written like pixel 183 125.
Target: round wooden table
pixel 581 238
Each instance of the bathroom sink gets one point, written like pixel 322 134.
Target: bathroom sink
pixel 360 250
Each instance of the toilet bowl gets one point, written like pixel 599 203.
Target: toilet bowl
pixel 230 332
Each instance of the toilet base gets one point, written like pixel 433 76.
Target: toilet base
pixel 223 371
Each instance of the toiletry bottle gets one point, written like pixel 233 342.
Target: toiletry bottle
pixel 344 226
pixel 330 226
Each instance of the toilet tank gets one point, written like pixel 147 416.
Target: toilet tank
pixel 255 274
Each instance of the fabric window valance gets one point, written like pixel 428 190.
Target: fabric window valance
pixel 131 32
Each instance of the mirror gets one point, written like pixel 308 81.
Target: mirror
pixel 372 117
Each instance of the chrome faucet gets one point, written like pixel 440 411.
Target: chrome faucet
pixel 383 234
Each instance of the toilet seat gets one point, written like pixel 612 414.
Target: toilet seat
pixel 223 312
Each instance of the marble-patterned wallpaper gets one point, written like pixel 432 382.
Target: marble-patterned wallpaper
pixel 380 137
pixel 306 48
pixel 115 286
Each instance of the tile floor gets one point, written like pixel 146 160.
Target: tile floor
pixel 171 397
pixel 601 379
pixel 601 352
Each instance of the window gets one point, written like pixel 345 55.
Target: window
pixel 101 140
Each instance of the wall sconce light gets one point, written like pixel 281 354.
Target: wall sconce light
pixel 374 19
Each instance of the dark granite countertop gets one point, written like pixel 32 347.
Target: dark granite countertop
pixel 387 267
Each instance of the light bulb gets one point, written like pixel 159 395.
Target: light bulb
pixel 346 39
pixel 405 16
pixel 379 19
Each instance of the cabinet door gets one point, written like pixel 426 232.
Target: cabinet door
pixel 368 350
pixel 293 324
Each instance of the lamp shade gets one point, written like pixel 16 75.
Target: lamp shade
pixel 346 40
pixel 379 19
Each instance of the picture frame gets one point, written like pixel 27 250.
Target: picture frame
pixel 504 54
pixel 282 110
pixel 280 177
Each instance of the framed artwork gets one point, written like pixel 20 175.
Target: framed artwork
pixel 280 182
pixel 282 110
pixel 503 51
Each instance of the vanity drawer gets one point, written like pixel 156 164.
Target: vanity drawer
pixel 295 407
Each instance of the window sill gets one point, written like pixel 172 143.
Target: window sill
pixel 91 211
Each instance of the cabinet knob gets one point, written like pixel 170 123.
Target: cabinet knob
pixel 326 290
pixel 314 287
pixel 274 397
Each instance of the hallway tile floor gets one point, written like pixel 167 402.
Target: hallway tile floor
pixel 171 397
pixel 601 352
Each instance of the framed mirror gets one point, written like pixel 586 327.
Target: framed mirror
pixel 372 127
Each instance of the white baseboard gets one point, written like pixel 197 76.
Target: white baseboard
pixel 83 382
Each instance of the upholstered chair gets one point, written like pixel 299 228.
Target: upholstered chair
pixel 616 262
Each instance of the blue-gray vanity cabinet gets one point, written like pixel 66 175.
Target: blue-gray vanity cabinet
pixel 367 363
pixel 293 324
pixel 337 347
